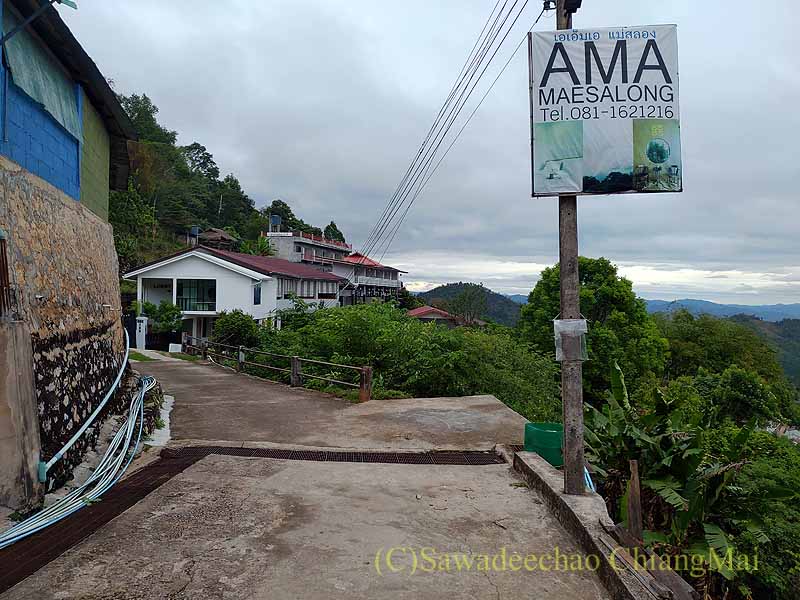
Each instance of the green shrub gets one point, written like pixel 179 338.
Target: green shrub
pixel 166 317
pixel 236 328
pixel 424 359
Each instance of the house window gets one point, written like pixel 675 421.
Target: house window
pixel 298 248
pixel 196 294
pixel 306 289
pixel 327 290
pixel 286 287
pixel 257 294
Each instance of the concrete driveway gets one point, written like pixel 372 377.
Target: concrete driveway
pixel 267 529
pixel 214 403
pixel 235 527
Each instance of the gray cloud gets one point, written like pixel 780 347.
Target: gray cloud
pixel 324 103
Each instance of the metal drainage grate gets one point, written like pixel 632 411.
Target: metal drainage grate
pixel 434 457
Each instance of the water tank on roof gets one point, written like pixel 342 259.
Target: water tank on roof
pixel 274 222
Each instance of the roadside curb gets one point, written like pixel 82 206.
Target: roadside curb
pixel 584 518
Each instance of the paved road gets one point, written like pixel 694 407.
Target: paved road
pixel 286 530
pixel 214 403
pixel 256 528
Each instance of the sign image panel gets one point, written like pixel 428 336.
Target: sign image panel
pixel 605 107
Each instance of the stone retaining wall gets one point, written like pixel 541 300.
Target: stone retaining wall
pixel 65 284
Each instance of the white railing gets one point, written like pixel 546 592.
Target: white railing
pixel 376 281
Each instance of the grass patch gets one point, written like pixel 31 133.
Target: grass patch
pixel 133 355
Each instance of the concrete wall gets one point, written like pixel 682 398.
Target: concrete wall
pixel 95 161
pixel 19 423
pixel 64 274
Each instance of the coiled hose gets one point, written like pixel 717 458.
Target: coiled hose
pixel 111 468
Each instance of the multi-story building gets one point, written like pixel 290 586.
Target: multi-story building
pixel 299 246
pixel 367 279
pixel 364 279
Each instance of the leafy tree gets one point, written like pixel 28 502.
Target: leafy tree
pixel 176 187
pixel 620 328
pixel 236 328
pixel 408 301
pixel 200 161
pixel 739 395
pixel 332 232
pixel 288 219
pixel 712 346
pixel 143 113
pixel 470 304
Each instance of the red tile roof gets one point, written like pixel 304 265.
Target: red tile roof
pixel 429 311
pixel 360 259
pixel 269 265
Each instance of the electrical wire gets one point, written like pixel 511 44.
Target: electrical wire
pixel 458 135
pixel 420 172
pixel 453 114
pixel 468 65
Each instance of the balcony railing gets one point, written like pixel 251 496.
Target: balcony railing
pixel 193 305
pixel 311 256
pixel 377 281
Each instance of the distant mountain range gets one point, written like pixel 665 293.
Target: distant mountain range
pixel 784 336
pixel 518 298
pixel 767 312
pixel 499 308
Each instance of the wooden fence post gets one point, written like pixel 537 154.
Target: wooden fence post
pixel 296 377
pixel 184 340
pixel 635 526
pixel 365 385
pixel 240 359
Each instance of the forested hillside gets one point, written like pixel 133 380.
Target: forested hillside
pixel 783 336
pixel 498 308
pixel 690 398
pixel 173 188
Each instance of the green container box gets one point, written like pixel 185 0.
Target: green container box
pixel 546 439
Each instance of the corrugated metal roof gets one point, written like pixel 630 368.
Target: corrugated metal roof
pixel 269 265
pixel 424 311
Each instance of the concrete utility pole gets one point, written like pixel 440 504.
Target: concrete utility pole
pixel 571 368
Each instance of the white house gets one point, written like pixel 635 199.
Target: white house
pixel 204 282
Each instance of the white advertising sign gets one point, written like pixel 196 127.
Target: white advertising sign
pixel 605 111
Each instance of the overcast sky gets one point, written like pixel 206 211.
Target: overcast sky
pixel 323 104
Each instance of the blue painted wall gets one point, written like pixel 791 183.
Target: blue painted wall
pixel 36 141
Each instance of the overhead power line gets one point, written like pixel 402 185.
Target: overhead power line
pixel 424 165
pixel 466 67
pixel 453 113
pixel 458 135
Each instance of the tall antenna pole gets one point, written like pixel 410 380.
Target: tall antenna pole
pixel 571 367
